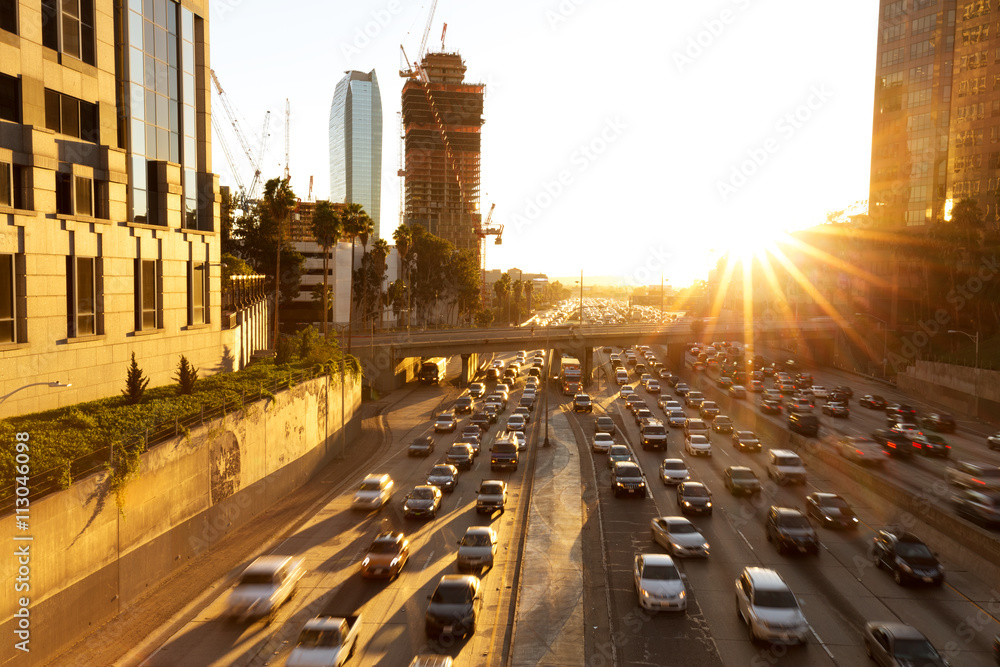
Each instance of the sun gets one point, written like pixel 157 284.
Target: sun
pixel 749 242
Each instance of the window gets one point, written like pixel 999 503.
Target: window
pixel 81 295
pixel 893 32
pixel 68 27
pixel 8 300
pixel 917 98
pixel 148 291
pixel 10 98
pixel 893 57
pixel 198 292
pixel 74 195
pixel 8 15
pixel 922 73
pixel 922 25
pixel 921 49
pixel 71 116
pixel 892 80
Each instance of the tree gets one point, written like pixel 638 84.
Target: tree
pixel 326 228
pixel 517 290
pixel 403 239
pixel 135 383
pixel 501 288
pixel 352 225
pixel 380 252
pixel 396 297
pixel 429 274
pixel 186 376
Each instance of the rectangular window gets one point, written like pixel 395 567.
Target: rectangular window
pixel 6 184
pixel 71 116
pixel 10 98
pixel 8 15
pixel 68 27
pixel 8 300
pixel 81 293
pixel 922 25
pixel 921 49
pixel 198 295
pixel 148 292
pixel 84 196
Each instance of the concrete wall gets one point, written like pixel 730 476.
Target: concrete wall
pixel 88 562
pixel 956 387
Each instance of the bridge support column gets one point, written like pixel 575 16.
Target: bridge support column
pixel 675 356
pixel 470 364
pixel 588 364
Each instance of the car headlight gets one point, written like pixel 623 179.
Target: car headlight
pixel 682 595
pixel 708 504
pixel 366 562
pixel 854 519
pixel 674 545
pixel 687 503
pixel 394 562
pixel 827 518
pixel 645 593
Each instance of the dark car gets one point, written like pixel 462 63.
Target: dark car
pixel 482 420
pixel 899 644
pixel 694 498
pixel 844 389
pixel 770 406
pixel 803 423
pixel 930 444
pixel 741 480
pixel 627 480
pixel 465 404
pixel 790 530
pixel 900 414
pixel 643 413
pixel 452 610
pixel 583 403
pixel 978 505
pixel 493 413
pixel 604 424
pixel 895 443
pixel 906 557
pixel 681 389
pixel 938 421
pixel 836 409
pixel 831 511
pixel 873 401
pixel 709 409
pixel 443 476
pixel 423 501
pixel 422 446
pixel 722 424
pixel 746 441
pixel 460 456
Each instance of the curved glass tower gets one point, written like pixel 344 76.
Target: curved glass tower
pixel 356 143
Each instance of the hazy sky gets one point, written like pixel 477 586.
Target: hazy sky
pixel 622 138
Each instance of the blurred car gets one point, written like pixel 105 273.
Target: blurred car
pixel 678 536
pixel 658 583
pixel 900 414
pixel 482 420
pixel 465 404
pixel 741 480
pixel 492 496
pixel 756 386
pixel 819 391
pixel 602 442
pixel 375 491
pixel 836 409
pixel 900 645
pixel 930 444
pixel 477 390
pixel 769 608
pixel 979 506
pixel 443 476
pixel 831 510
pixel 790 531
pixel 386 556
pixel 694 498
pixel 724 382
pixel 895 443
pixel 673 471
pixel 708 409
pixel 605 424
pixel 862 450
pixel 938 421
pixel 453 606
pixel 653 387
pixel 770 406
pixel 477 549
pixel 681 389
pixel 746 441
pixel 906 557
pixel 738 391
pixel 522 440
pixel 677 419
pixel 873 401
pixel 722 424
pixel 265 585
pixel 993 441
pixel 618 453
pixel 423 501
pixel 973 475
pixel 583 403
pixel 460 456
pixel 422 446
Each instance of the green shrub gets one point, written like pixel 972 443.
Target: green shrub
pixel 186 376
pixel 135 383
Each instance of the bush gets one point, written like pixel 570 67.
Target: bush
pixel 283 353
pixel 186 376
pixel 135 383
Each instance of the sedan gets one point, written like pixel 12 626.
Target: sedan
pixel 678 535
pixel 698 445
pixel 897 644
pixel 605 424
pixel 602 442
pixel 477 549
pixel 746 441
pixel 835 409
pixel 460 456
pixel 722 424
pixel 673 471
pixel 658 583
pixel 770 406
pixel 819 391
pixel 443 476
pixel 386 556
pixel 618 453
pixel 681 389
pixel 453 606
pixel 930 444
pixel 694 498
pixel 937 421
pixel 830 510
pixel 741 480
pixel 993 441
pixel 653 387
pixel 709 409
pixel 422 502
pixel 677 419
pixel 422 446
pixel 862 450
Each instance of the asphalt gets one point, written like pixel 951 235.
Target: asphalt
pixel 549 628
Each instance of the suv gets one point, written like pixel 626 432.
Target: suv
pixel 769 608
pixel 653 434
pixel 503 453
pixel 973 475
pixel 790 530
pixel 784 466
pixel 907 557
pixel 492 496
pixel 628 480
pixel 582 403
pixel 804 423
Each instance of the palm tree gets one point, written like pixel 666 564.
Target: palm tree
pixel 326 228
pixel 351 226
pixel 276 204
pixel 380 251
pixel 404 240
pixel 501 288
pixel 366 227
pixel 517 290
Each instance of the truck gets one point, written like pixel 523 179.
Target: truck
pixel 432 370
pixel 570 375
pixel 503 453
pixel 326 640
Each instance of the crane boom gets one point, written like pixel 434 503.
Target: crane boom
pixel 221 141
pixel 232 118
pixel 288 118
pixel 427 31
pixel 260 156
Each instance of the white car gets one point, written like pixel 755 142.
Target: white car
pixel 698 445
pixel 477 548
pixel 374 492
pixel 910 431
pixel 769 608
pixel 264 586
pixel 674 471
pixel 678 535
pixel 658 582
pixel 820 391
pixel 522 440
pixel 862 450
pixel 516 423
pixel 602 442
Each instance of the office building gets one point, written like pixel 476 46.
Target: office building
pixel 356 144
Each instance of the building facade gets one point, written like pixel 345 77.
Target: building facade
pixel 109 210
pixel 356 144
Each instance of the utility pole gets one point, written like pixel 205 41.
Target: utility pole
pixel 581 297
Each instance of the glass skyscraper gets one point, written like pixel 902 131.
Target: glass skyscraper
pixel 356 143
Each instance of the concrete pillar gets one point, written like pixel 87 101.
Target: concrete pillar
pixel 588 364
pixel 675 357
pixel 470 364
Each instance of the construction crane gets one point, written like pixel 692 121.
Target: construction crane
pixel 416 71
pixel 244 197
pixel 252 194
pixel 484 230
pixel 444 31
pixel 288 117
pixel 310 197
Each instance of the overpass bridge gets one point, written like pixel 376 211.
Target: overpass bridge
pixel 389 359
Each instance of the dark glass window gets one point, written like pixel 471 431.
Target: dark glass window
pixel 10 98
pixel 147 295
pixel 8 15
pixel 68 27
pixel 8 332
pixel 81 296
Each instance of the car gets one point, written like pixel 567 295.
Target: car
pixel 652 434
pixel 900 414
pixel 993 441
pixel 516 423
pixel 694 498
pixel 445 422
pixel 465 404
pixel 677 419
pixel 831 510
pixel 668 404
pixel 583 403
pixel 724 382
pixel 722 424
pixel 785 467
pixel 939 421
pixel 477 390
pixel 492 373
pixel 906 557
pixel 979 506
pixel 708 409
pixel 862 450
pixel 844 389
pixel 658 583
pixel 769 406
pixel 423 501
pixel 453 606
pixel 673 471
pixel 799 403
pixel 494 405
pixel 698 445
pixel 873 401
pixel 386 556
pixel 897 644
pixel 422 446
pixel 930 444
pixel 972 475
pixel 461 456
pixel 602 442
pixel 492 496
pixel 741 480
pixel 265 585
pixel 522 440
pixel 737 391
pixel 769 608
pixel 790 531
pixel 477 549
pixel 756 386
pixel 905 430
pixel 819 391
pixel 694 399
pixel 896 443
pixel 444 477
pixel 524 412
pixel 625 392
pixel 746 441
pixel 627 479
pixel 642 414
pixel 665 375
pixel 836 409
pixel 604 424
pixel 678 536
pixel 681 389
pixel 653 387
pixel 374 492
pixel 618 453
pixel 803 423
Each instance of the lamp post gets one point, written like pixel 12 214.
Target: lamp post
pixel 581 297
pixel 885 333
pixel 54 383
pixel 974 339
pixel 548 368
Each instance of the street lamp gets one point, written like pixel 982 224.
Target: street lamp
pixel 55 383
pixel 885 332
pixel 548 379
pixel 974 339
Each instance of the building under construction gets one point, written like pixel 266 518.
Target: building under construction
pixel 442 121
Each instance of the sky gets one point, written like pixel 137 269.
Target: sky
pixel 627 139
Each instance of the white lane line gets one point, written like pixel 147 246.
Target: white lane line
pixel 820 641
pixel 740 533
pixel 430 557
